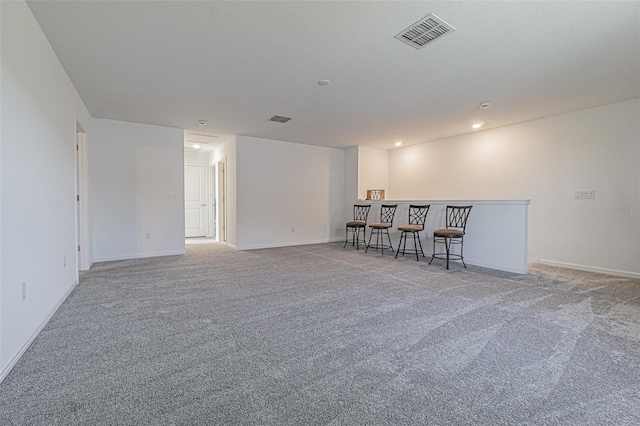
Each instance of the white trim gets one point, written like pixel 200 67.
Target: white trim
pixel 6 369
pixel 83 228
pixel 140 256
pixel 627 274
pixel 206 188
pixel 222 219
pixel 291 244
pixel 497 267
pixel 229 245
pixel 211 200
pixel 453 202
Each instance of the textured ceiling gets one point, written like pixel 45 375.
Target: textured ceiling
pixel 236 64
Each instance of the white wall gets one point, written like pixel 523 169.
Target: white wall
pixel 350 183
pixel 545 160
pixel 284 185
pixel 39 108
pixel 373 171
pixel 134 170
pixel 227 153
pixel 196 158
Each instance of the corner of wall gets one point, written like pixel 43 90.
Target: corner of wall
pixel 373 170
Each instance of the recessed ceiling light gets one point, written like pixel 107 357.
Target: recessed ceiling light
pixel 196 146
pixel 324 82
pixel 202 122
pixel 398 143
pixel 477 125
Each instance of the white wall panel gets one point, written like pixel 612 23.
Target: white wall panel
pixel 135 169
pixel 227 153
pixel 288 193
pixel 373 171
pixel 39 107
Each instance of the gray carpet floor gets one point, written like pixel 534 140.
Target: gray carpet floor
pixel 321 335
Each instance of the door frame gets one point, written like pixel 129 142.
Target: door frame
pixel 213 201
pixel 84 258
pixel 221 201
pixel 206 189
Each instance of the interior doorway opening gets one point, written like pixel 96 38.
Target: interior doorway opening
pixel 195 200
pixel 213 212
pixel 84 258
pixel 221 201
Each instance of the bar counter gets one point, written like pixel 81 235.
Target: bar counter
pixel 496 233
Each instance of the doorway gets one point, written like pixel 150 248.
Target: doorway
pixel 83 240
pixel 195 200
pixel 213 212
pixel 221 201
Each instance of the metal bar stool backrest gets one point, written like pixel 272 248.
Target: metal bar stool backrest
pixel 418 214
pixel 361 212
pixel 417 218
pixel 457 217
pixel 360 215
pixel 387 212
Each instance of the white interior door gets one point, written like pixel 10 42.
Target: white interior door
pixel 195 200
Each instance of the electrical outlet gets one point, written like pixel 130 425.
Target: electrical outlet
pixel 584 195
pixel 147 235
pixel 173 195
pixel 24 290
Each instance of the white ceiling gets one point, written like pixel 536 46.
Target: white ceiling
pixel 235 64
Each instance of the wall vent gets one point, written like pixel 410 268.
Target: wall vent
pixel 425 31
pixel 279 119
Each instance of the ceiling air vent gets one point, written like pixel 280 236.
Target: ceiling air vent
pixel 279 119
pixel 199 138
pixel 425 31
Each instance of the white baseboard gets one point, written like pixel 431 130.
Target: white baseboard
pixel 626 274
pixel 289 244
pixel 90 265
pixel 513 269
pixel 139 256
pixel 6 369
pixel 470 261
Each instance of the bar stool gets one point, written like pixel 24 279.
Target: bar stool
pixel 417 218
pixel 387 211
pixel 359 222
pixel 456 223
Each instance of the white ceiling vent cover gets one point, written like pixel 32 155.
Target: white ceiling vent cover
pixel 280 119
pixel 198 138
pixel 425 31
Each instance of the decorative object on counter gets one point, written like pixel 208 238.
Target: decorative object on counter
pixel 387 212
pixel 456 217
pixel 417 218
pixel 359 223
pixel 375 194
